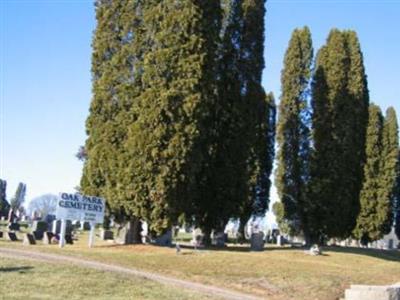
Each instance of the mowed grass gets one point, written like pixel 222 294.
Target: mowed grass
pixel 276 273
pixel 26 279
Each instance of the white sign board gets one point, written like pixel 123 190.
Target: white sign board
pixel 80 207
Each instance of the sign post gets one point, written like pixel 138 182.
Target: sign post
pixel 62 233
pixel 91 235
pixel 79 207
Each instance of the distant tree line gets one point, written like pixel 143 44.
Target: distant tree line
pixel 180 128
pixel 338 156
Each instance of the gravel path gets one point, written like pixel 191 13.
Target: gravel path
pixel 55 258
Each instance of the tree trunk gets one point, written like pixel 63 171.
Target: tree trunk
pixel 206 237
pixel 241 231
pixel 307 238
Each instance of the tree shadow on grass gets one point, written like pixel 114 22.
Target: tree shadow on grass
pixel 389 255
pixel 21 269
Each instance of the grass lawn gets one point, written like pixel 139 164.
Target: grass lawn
pixel 276 273
pixel 25 279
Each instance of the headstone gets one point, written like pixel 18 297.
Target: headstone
pixel 129 233
pixel 3 218
pixel 86 226
pixel 164 240
pixel 197 238
pixel 106 234
pixel 279 240
pixel 68 239
pixel 373 292
pixel 390 244
pixel 29 239
pixel 38 228
pixel 57 227
pixel 257 241
pixel 219 239
pixel 47 236
pixel 14 227
pixel 38 234
pixel 144 233
pixel 314 250
pixel 11 236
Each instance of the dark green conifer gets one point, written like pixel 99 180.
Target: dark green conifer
pixel 292 172
pixel 18 200
pixel 167 141
pixel 116 73
pixel 378 195
pixel 397 204
pixel 389 171
pixel 368 226
pixel 340 110
pixel 4 205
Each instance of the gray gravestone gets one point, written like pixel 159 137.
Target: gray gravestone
pixel 129 233
pixel 279 240
pixel 29 239
pixel 219 239
pixel 164 240
pixel 39 228
pixel 257 241
pixel 68 239
pixel 38 234
pixel 57 227
pixel 106 234
pixel 11 236
pixel 47 236
pixel 86 226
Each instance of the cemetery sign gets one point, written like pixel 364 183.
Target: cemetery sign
pixel 79 207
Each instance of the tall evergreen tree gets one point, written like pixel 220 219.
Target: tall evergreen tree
pixel 368 226
pixel 221 179
pixel 258 110
pixel 4 205
pixel 397 203
pixel 266 153
pixel 116 74
pixel 260 164
pixel 380 176
pixel 340 110
pixel 19 198
pixel 230 182
pixel 390 168
pixel 292 172
pixel 165 144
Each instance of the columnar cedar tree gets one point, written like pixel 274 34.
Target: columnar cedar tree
pixel 292 172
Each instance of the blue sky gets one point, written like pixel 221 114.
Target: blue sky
pixel 45 84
